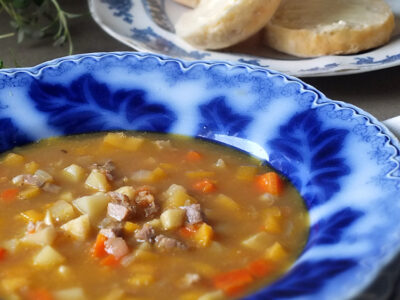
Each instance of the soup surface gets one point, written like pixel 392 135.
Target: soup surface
pixel 120 216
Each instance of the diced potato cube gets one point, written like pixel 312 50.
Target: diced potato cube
pixel 217 295
pixel 158 174
pixel 227 203
pixel 62 211
pixel 74 172
pixel 29 192
pixel 13 284
pixel 259 241
pixel 177 196
pixel 31 167
pixel 78 228
pixel 155 223
pixel 94 205
pixel 204 235
pixel 76 293
pixel 32 215
pixel 276 252
pixel 48 219
pixel 48 257
pixel 246 173
pixel 127 191
pixel 44 176
pixel 147 176
pixel 199 174
pixel 13 159
pixel 122 141
pixel 140 280
pixel 172 218
pixel 67 196
pixel 97 181
pixel 46 236
pixel 130 227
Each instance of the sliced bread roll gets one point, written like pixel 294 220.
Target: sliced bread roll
pixel 217 24
pixel 189 3
pixel 308 28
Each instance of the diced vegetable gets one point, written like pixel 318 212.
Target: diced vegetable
pixel 31 167
pixel 13 159
pixel 146 176
pixel 48 257
pixel 140 280
pixel 216 295
pixel 32 215
pixel 246 173
pixel 62 211
pixel 76 293
pixel 74 172
pixel 46 236
pixel 259 241
pixel 11 246
pixel 193 156
pixel 78 228
pixel 122 141
pixel 127 191
pixel 9 195
pixel 270 182
pixel 172 218
pixel 276 252
pixel 3 253
pixel 13 284
pixel 273 224
pixel 234 282
pixel 259 268
pixel 94 205
pixel 204 235
pixel 44 176
pixel 155 223
pixel 176 196
pixel 30 192
pixel 98 249
pixel 97 181
pixel 227 203
pixel 130 227
pixel 39 294
pixel 189 230
pixel 205 186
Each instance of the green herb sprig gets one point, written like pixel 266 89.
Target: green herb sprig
pixel 38 19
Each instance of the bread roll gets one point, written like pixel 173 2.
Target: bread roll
pixel 217 24
pixel 308 28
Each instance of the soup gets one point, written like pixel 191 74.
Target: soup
pixel 142 216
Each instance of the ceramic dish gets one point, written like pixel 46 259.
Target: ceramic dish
pixel 147 25
pixel 342 160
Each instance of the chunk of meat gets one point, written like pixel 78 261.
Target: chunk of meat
pixel 193 213
pixel 120 208
pixel 29 180
pixel 110 228
pixel 107 169
pixel 145 234
pixel 166 243
pixel 116 246
pixel 146 201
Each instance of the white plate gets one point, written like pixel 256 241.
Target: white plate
pixel 147 25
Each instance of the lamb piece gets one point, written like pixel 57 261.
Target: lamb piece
pixel 28 179
pixel 107 168
pixel 145 234
pixel 110 228
pixel 145 199
pixel 166 243
pixel 193 213
pixel 116 246
pixel 120 208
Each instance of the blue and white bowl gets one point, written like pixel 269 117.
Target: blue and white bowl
pixel 342 160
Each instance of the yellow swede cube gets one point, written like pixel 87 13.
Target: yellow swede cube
pixel 127 191
pixel 172 218
pixel 122 141
pixel 78 228
pixel 74 172
pixel 13 159
pixel 246 173
pixel 204 235
pixel 226 203
pixel 62 211
pixel 94 206
pixel 31 167
pixel 48 257
pixel 97 181
pixel 276 252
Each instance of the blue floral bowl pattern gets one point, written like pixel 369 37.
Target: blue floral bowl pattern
pixel 342 160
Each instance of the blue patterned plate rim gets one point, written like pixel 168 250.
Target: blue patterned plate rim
pixel 309 278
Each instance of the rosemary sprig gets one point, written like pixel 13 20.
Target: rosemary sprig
pixel 38 19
